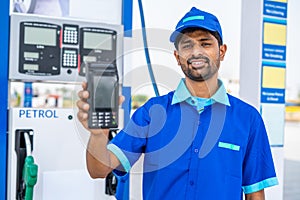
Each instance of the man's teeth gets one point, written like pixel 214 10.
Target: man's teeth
pixel 197 63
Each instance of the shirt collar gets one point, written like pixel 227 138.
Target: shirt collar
pixel 183 94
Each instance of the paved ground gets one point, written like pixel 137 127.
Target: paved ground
pixel 292 161
pixel 292 180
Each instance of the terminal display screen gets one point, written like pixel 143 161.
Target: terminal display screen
pixel 104 91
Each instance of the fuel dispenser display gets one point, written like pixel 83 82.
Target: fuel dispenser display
pixel 97 46
pixel 39 49
pixel 57 49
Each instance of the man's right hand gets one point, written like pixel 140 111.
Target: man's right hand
pixel 84 107
pixel 99 160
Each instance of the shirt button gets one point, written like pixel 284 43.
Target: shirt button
pixel 196 150
pixel 191 182
pixel 193 102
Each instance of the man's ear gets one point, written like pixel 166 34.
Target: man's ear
pixel 176 54
pixel 223 49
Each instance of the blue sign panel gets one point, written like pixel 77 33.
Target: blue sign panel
pixel 274 52
pixel 269 95
pixel 275 9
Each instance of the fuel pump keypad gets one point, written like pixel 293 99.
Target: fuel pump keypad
pixel 70 34
pixel 70 37
pixel 69 57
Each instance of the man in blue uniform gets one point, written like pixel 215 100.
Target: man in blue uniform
pixel 199 142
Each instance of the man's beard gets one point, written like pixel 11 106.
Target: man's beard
pixel 209 70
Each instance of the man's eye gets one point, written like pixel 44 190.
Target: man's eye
pixel 187 46
pixel 206 44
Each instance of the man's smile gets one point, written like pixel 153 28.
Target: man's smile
pixel 198 64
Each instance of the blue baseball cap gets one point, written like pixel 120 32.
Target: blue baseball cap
pixel 197 18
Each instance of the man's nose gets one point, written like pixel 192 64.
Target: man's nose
pixel 197 50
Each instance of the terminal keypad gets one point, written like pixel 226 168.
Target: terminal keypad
pixel 103 119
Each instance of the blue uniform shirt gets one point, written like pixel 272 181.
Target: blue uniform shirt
pixel 194 150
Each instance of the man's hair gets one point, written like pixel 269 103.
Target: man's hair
pixel 192 29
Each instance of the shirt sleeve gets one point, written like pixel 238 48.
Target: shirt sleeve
pixel 258 166
pixel 128 144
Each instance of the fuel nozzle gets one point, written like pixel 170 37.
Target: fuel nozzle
pixel 30 171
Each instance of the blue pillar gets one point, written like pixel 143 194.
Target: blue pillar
pixel 4 41
pixel 127 17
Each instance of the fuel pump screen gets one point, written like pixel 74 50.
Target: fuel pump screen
pixel 89 58
pixel 40 36
pixel 28 55
pixel 92 40
pixel 104 92
pixel 31 67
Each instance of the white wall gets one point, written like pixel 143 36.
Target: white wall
pixel 293 43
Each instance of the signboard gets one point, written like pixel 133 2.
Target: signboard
pixel 274 39
pixel 274 51
pixel 273 68
pixel 273 82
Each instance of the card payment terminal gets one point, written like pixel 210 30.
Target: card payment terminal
pixel 103 87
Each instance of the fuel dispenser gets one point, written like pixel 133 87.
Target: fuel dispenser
pixel 56 50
